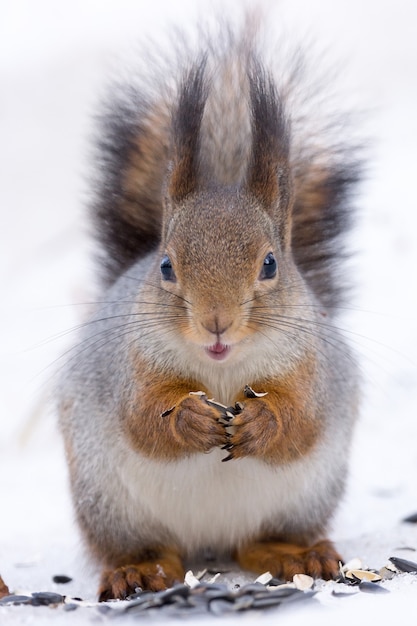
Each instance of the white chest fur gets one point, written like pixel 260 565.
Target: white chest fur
pixel 203 502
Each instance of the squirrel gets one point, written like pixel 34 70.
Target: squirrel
pixel 221 218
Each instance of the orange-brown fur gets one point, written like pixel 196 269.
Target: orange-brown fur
pixel 284 560
pixel 4 590
pixel 192 426
pixel 159 569
pixel 280 427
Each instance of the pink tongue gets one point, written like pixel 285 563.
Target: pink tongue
pixel 217 348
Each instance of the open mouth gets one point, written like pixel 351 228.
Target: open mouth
pixel 218 351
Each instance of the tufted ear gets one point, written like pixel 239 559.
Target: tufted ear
pixel 268 176
pixel 186 125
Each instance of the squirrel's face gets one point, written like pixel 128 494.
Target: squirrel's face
pixel 223 261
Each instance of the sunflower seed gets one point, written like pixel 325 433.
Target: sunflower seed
pixel 220 606
pixel 15 599
pixel 411 519
pixel 344 591
pixel 243 602
pixel 45 598
pixel 178 591
pixel 369 587
pixel 219 407
pixel 212 591
pixel 61 579
pixel 285 591
pixel 265 602
pixel 403 565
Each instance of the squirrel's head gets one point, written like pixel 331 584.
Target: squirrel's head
pixel 225 251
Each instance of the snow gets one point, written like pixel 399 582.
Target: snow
pixel 54 60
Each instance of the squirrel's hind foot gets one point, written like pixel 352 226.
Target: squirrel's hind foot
pixel 152 575
pixel 284 560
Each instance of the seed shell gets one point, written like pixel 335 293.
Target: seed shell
pixel 191 580
pixel 250 393
pixel 363 575
pixel 303 582
pixel 264 579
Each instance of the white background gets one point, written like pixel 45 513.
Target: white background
pixel 54 60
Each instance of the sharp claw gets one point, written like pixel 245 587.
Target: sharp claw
pixel 227 446
pixel 228 458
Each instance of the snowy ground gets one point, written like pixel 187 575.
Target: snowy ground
pixel 53 61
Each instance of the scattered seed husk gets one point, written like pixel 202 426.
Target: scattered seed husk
pixel 403 565
pixel 388 572
pixel 363 575
pixel 191 580
pixel 214 578
pixel 195 597
pixel 264 578
pixel 250 393
pixel 251 588
pixel 303 582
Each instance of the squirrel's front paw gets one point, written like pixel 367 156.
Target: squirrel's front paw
pixel 257 429
pixel 195 425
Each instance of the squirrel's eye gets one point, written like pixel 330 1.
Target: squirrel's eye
pixel 167 270
pixel 269 268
